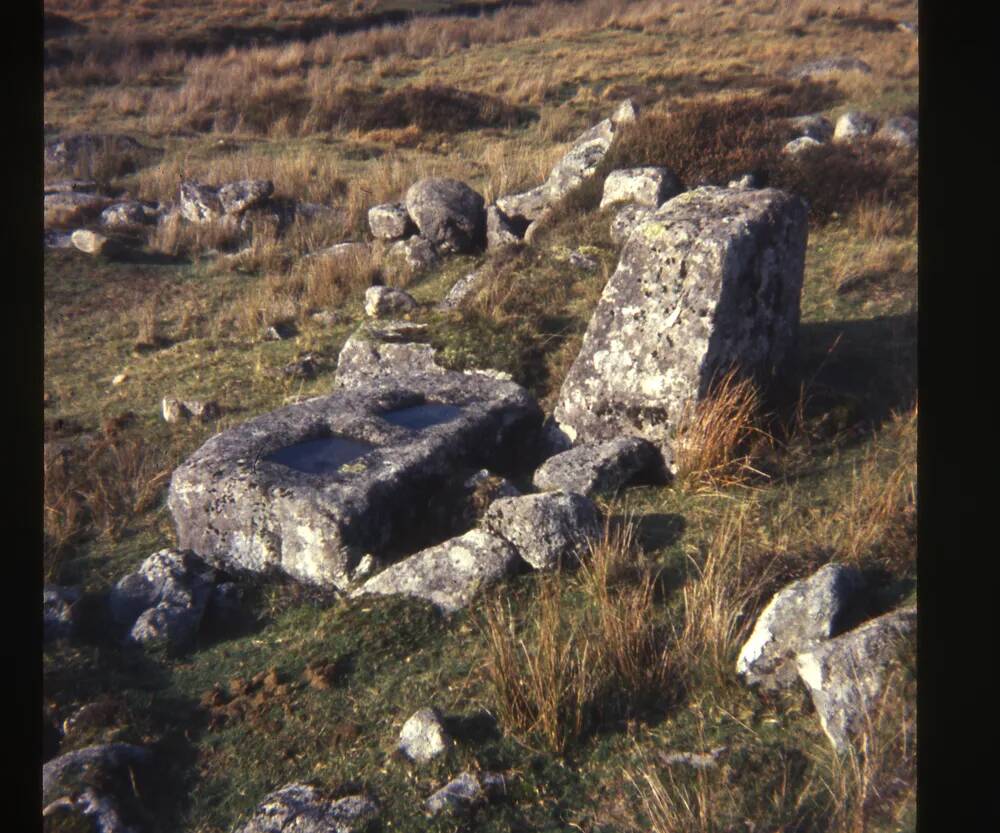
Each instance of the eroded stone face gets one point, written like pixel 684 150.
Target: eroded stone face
pixel 713 280
pixel 238 509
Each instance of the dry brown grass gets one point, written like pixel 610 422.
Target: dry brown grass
pixel 719 436
pixel 176 236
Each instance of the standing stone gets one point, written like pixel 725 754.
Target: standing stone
pixel 547 529
pixel 626 113
pixel 423 736
pixel 89 241
pixel 799 617
pixel 846 675
pixel 854 125
pixel 387 300
pixel 448 213
pixel 580 163
pixel 712 281
pixel 390 221
pixel 649 187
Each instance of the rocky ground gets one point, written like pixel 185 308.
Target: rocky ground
pixel 495 423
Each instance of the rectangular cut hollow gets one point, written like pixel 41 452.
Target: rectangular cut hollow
pixel 323 456
pixel 239 504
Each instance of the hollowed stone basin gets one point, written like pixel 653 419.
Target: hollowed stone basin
pixel 308 489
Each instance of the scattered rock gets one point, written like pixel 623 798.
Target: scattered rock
pixel 599 467
pixel 417 254
pixel 649 187
pixel 423 736
pixel 712 281
pixel 128 214
pixel 746 181
pixel 803 143
pixel 548 529
pixel 800 616
pixel 626 113
pixel 89 242
pixel 845 675
pixel 524 207
pixel 626 220
pixel 500 230
pixel 391 349
pixel 59 611
pixel 238 197
pixel 72 209
pixel 200 203
pixel 387 300
pixel 261 496
pixel 901 131
pixel 465 792
pixel 300 808
pixel 814 126
pixel 853 125
pixel 278 332
pixel 450 574
pixel 328 317
pixel 581 162
pixel 828 66
pixel 390 221
pixel 464 288
pixel 448 213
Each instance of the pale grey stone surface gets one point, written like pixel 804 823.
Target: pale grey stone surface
pixel 89 242
pixel 625 113
pixel 465 792
pixel 649 187
pixel 390 221
pixel 829 66
pixel 711 281
pixel 846 675
pixel 417 254
pixel 526 206
pixel 391 348
pixel 801 144
pixel 448 213
pixel 547 529
pixel 299 808
pixel 626 220
pixel 200 203
pixel 853 125
pixel 448 575
pixel 387 300
pixel 236 508
pixel 464 288
pixel 237 197
pixel 598 467
pixel 423 736
pixel 581 161
pixel 798 617
pixel 128 214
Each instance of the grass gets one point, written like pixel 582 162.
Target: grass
pixel 577 685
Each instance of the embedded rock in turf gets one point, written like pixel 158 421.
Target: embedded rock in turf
pixel 854 125
pixel 594 468
pixel 711 281
pixel 649 187
pixel 387 300
pixel 448 575
pixel 300 808
pixel 799 617
pixel 846 675
pixel 465 791
pixel 238 509
pixel 423 736
pixel 448 213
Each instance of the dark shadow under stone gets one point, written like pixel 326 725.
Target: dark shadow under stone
pixel 422 416
pixel 323 456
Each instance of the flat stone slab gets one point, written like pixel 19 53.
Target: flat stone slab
pixel 712 281
pixel 378 350
pixel 308 489
pixel 594 468
pixel 450 574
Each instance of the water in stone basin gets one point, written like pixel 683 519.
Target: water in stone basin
pixel 422 416
pixel 324 456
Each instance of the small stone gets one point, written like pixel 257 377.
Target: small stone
pixel 303 367
pixel 59 611
pixel 449 214
pixel 120 378
pixel 89 241
pixel 298 808
pixel 626 113
pixel 417 254
pixel 828 66
pixel 174 410
pixel 238 197
pixel 128 215
pixel 423 736
pixel 204 411
pixel 390 221
pixel 387 300
pixel 853 125
pixel 464 288
pixel 465 792
pixel 200 203
pixel 796 146
pixel 500 230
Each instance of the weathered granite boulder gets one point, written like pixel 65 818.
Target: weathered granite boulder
pixel 387 300
pixel 649 187
pixel 89 242
pixel 814 126
pixel 853 125
pixel 465 792
pixel 390 221
pixel 581 161
pixel 128 214
pixel 547 529
pixel 200 203
pixel 711 282
pixel 423 736
pixel 59 611
pixel 464 288
pixel 448 213
pixel 395 348
pixel 599 467
pixel 829 66
pixel 501 230
pixel 415 254
pixel 71 208
pixel 237 197
pixel 299 808
pixel 799 617
pixel 448 575
pixel 308 489
pixel 164 600
pixel 901 131
pixel 626 220
pixel 526 206
pixel 801 144
pixel 97 783
pixel 846 675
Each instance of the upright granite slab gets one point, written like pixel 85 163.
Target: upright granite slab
pixel 310 488
pixel 712 280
